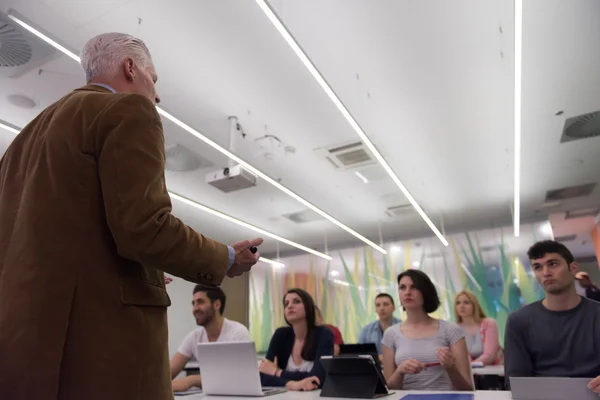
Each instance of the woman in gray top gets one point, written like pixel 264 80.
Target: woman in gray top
pixel 424 353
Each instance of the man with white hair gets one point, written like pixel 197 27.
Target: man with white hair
pixel 86 232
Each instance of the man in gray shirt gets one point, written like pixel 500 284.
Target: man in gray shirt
pixel 558 336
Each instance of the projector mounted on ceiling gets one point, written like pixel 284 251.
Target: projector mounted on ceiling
pixel 233 177
pixel 230 179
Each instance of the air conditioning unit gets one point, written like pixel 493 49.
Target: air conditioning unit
pixel 347 156
pixel 20 50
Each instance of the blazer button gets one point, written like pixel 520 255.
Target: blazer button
pixel 209 277
pixel 201 275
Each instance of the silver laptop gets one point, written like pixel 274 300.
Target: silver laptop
pixel 551 389
pixel 231 369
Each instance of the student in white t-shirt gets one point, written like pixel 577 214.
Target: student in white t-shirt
pixel 208 306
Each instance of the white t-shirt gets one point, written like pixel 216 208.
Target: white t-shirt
pixel 231 331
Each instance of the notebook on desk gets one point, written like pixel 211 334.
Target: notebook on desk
pixel 439 396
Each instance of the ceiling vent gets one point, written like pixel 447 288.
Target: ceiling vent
pixel 570 192
pixel 400 211
pixel 181 159
pixel 302 217
pixel 581 127
pixel 348 156
pixel 584 212
pixel 566 238
pixel 21 51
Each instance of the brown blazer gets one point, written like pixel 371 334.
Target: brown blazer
pixel 85 233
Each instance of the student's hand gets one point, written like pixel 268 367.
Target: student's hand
pixel 267 367
pixel 595 384
pixel 446 358
pixel 181 384
pixel 305 384
pixel 410 366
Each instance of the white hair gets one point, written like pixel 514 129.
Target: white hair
pixel 103 54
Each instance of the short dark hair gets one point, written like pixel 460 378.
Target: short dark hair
pixel 380 295
pixel 214 294
pixel 431 299
pixel 540 249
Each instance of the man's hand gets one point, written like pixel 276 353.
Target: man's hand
pixel 244 259
pixel 595 384
pixel 168 280
pixel 181 384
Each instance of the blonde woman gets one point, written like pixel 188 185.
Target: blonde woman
pixel 481 332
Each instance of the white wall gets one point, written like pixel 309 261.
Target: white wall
pixel 181 320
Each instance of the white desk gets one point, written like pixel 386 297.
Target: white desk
pixel 315 395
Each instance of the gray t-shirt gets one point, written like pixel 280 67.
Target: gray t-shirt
pixel 540 342
pixel 474 343
pixel 423 350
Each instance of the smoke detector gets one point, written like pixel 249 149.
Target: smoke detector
pixel 21 101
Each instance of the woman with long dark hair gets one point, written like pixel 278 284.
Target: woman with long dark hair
pixel 294 352
pixel 422 352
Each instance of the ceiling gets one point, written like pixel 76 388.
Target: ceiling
pixel 431 83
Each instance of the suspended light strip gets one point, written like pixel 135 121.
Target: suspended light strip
pixel 340 106
pixel 215 146
pixel 9 127
pixel 273 263
pixel 226 217
pixel 518 71
pixel 45 38
pixel 471 278
pixel 247 225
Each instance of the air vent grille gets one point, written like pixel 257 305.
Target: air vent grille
pixel 400 211
pixel 14 49
pixel 581 127
pixel 566 238
pixel 20 50
pixel 347 156
pixel 570 192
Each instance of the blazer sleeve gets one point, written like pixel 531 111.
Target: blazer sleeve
pixel 491 343
pixel 324 348
pixel 131 162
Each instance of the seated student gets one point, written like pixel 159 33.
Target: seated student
pixel 481 332
pixel 424 353
pixel 373 331
pixel 559 335
pixel 293 357
pixel 208 305
pixel 337 335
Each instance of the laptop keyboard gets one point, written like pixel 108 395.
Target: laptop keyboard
pixel 270 390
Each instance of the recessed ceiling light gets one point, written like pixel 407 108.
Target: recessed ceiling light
pixel 335 273
pixel 362 177
pixel 416 264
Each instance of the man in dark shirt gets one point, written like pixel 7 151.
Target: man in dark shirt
pixel 558 336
